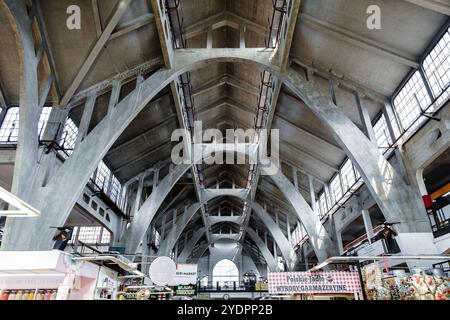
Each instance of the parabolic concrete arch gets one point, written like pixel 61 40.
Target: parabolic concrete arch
pixel 55 194
pixel 209 194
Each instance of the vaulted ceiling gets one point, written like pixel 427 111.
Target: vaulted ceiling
pixel 331 39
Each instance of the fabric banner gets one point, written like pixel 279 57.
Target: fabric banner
pixel 314 282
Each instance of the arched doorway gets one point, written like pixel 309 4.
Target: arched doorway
pixel 225 273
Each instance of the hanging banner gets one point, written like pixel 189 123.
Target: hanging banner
pixel 185 274
pixel 314 282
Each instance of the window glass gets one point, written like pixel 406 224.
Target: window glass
pixel 335 188
pixel 437 69
pixel 225 273
pixel 411 101
pixel 382 135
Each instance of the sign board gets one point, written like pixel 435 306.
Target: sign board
pixel 377 248
pixel 314 282
pixel 185 274
pixel 185 290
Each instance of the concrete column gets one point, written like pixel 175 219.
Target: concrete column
pixel 305 256
pixel 163 226
pixel 115 95
pixel 312 193
pixel 242 36
pixel 138 200
pixel 367 224
pixel 209 39
pixel 86 118
pixel 288 229
pixel 155 177
pixel 339 242
pixel 365 119
pixel 295 177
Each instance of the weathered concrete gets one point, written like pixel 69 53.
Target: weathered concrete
pixel 396 200
pixel 134 234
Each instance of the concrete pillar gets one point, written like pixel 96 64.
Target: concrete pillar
pixel 305 256
pixel 365 119
pixel 339 242
pixel 86 118
pixel 115 95
pixel 163 226
pixel 209 39
pixel 295 177
pixel 138 200
pixel 241 36
pixel 312 193
pixel 367 224
pixel 155 178
pixel 288 229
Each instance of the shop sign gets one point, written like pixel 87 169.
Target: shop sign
pixel 185 274
pixel 185 290
pixel 314 282
pixel 377 248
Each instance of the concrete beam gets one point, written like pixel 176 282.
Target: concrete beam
pixel 440 6
pixel 360 41
pixel 114 20
pixel 139 225
pixel 133 25
pixel 187 250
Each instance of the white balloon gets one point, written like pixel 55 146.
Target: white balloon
pixel 162 271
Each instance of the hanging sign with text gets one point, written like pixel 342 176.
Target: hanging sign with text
pixel 314 282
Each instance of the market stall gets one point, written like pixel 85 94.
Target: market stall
pixel 45 275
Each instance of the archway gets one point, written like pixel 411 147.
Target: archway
pixel 225 273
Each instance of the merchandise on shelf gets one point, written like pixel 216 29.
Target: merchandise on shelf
pixel 38 294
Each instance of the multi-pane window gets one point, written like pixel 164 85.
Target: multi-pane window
pixel 347 175
pixel 43 120
pixel 437 69
pixel 411 101
pixel 92 235
pixel 69 136
pixel 225 273
pixel 323 204
pixel 335 188
pixel 382 135
pixel 9 131
pixel 114 189
pixel 102 176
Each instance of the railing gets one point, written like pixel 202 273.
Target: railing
pixel 227 286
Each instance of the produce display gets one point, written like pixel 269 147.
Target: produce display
pixel 414 287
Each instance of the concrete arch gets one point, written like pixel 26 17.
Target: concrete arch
pixel 209 194
pixel 397 201
pixel 135 233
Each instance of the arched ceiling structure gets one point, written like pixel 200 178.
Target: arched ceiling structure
pixel 328 38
